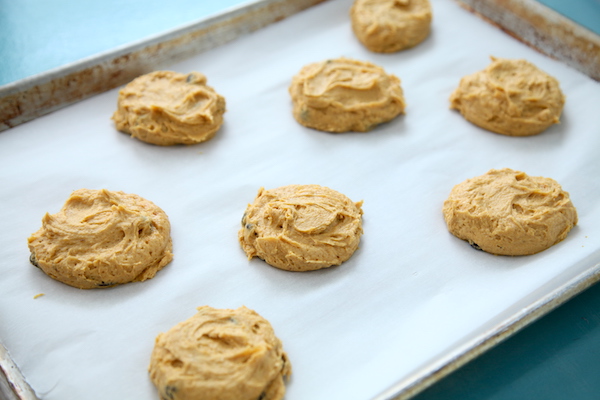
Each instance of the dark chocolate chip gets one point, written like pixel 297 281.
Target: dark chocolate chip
pixel 304 114
pixel 475 246
pixel 33 260
pixel 170 392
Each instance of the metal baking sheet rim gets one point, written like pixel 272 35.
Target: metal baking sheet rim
pixel 13 385
pixel 41 94
pixel 412 385
pixel 37 96
pixel 543 29
pixel 429 375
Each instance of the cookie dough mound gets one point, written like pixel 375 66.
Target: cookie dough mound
pixel 510 97
pixel 101 238
pixel 301 227
pixel 345 95
pixel 387 26
pixel 507 212
pixel 167 108
pixel 220 355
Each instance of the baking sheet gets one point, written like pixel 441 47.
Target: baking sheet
pixel 41 94
pixel 544 29
pixel 409 297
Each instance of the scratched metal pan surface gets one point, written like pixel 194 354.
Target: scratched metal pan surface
pixel 547 30
pixel 409 306
pixel 37 95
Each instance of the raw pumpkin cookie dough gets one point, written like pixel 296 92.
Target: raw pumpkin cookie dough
pixel 387 26
pixel 220 354
pixel 507 212
pixel 167 108
pixel 301 227
pixel 102 238
pixel 510 97
pixel 344 95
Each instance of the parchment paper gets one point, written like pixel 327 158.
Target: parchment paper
pixel 410 295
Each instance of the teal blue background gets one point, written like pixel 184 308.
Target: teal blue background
pixel 39 35
pixel 584 12
pixel 557 357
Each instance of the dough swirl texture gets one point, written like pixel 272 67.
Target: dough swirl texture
pixel 387 26
pixel 167 108
pixel 510 97
pixel 344 95
pixel 102 238
pixel 301 227
pixel 507 212
pixel 220 354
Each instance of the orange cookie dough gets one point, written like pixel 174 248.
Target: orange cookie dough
pixel 345 95
pixel 167 108
pixel 387 26
pixel 301 227
pixel 101 238
pixel 510 97
pixel 220 355
pixel 507 212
